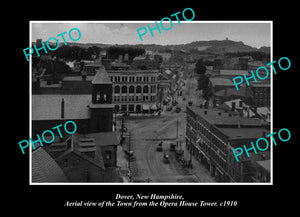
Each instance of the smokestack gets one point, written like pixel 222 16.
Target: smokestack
pixel 62 108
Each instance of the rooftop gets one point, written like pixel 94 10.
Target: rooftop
pixel 221 82
pixel 244 133
pixel 233 72
pixel 131 71
pixel 101 77
pixel 103 138
pixel 219 117
pixel 45 169
pixel 77 78
pixel 48 107
pixel 94 64
pixel 231 91
pixel 264 164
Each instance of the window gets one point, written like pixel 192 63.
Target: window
pixel 117 89
pixel 97 96
pixel 123 108
pixel 138 89
pixel 124 89
pixel 117 108
pixel 131 89
pixel 131 108
pixel 108 155
pixel 145 89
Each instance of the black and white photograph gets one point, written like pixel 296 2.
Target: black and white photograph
pixel 147 103
pixel 162 109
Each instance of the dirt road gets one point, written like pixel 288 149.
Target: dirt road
pixel 148 162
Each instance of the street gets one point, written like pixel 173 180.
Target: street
pixel 146 134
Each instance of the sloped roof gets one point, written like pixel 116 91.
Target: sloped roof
pixel 264 164
pixel 77 149
pixel 45 169
pixel 101 77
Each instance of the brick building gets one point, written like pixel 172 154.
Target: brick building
pixel 211 135
pixel 261 94
pixel 89 155
pixel 134 90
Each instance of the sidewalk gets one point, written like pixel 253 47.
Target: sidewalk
pixel 198 169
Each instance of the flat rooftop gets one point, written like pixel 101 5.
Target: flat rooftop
pixel 77 78
pixel 48 107
pixel 219 117
pixel 217 81
pixel 138 71
pixel 244 133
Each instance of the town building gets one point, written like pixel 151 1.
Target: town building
pixel 212 134
pixel 261 94
pixel 91 112
pixel 134 91
pixel 89 155
pixel 218 83
pixel 45 169
pixel 145 62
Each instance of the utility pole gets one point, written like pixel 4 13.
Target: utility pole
pixel 129 158
pixel 122 131
pixel 177 122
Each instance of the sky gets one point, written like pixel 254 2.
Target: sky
pixel 125 32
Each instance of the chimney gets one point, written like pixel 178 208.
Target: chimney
pixel 83 75
pixel 232 106
pixel 241 103
pixel 241 112
pixel 264 133
pixel 239 124
pixel 205 112
pixel 62 108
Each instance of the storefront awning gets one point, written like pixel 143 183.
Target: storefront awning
pixel 154 107
pixel 146 107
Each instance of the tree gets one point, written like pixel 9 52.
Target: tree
pixel 200 67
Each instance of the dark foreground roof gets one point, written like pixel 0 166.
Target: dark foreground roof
pixel 45 169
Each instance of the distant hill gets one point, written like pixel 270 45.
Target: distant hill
pixel 212 46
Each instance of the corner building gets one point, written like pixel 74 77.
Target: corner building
pixel 212 134
pixel 134 91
